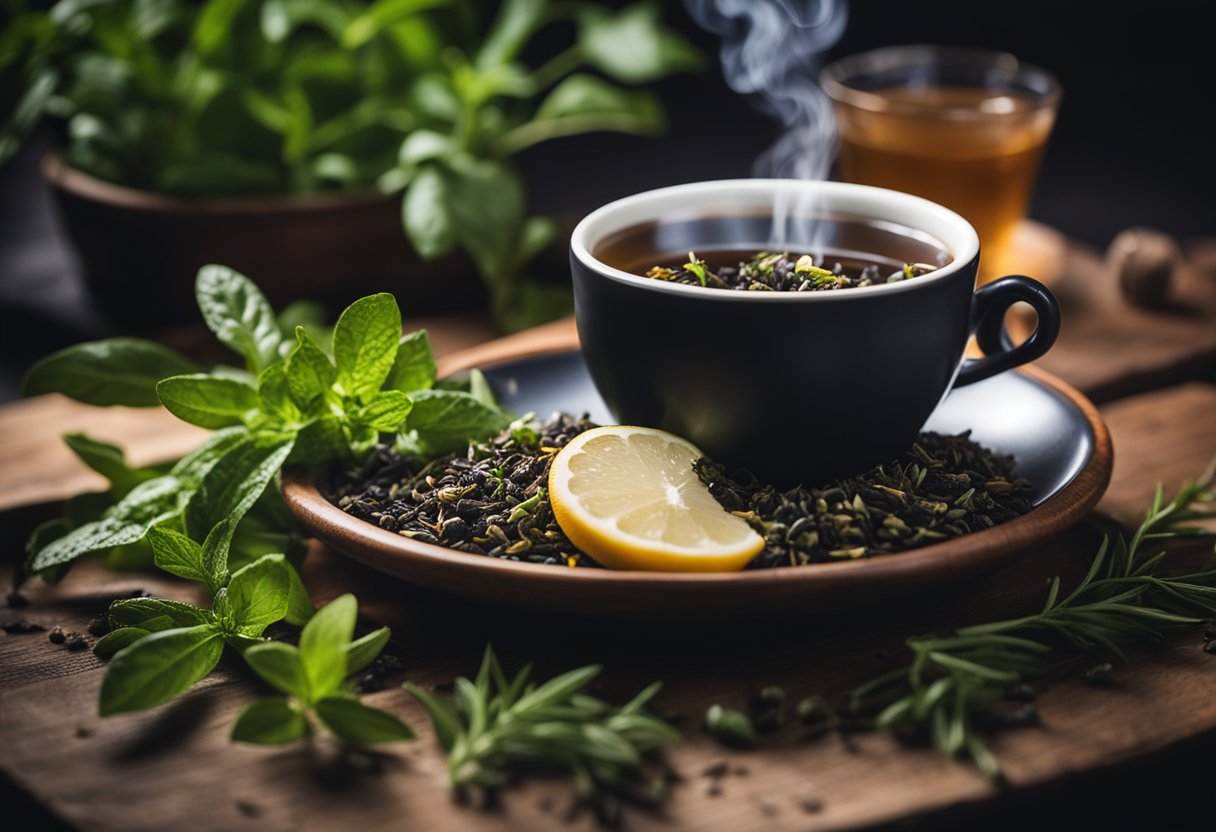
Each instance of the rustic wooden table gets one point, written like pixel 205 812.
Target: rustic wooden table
pixel 1148 739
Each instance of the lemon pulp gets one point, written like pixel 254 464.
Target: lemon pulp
pixel 629 498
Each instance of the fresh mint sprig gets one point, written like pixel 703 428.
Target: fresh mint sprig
pixel 312 678
pixel 294 400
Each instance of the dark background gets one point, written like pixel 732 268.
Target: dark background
pixel 1131 146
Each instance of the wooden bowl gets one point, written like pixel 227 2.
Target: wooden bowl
pixel 141 250
pixel 785 590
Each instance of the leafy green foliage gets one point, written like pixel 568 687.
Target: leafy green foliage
pixel 312 679
pixel 1127 597
pixel 494 727
pixel 426 97
pixel 291 402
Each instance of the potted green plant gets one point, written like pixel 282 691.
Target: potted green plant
pixel 296 138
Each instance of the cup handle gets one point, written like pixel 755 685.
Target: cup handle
pixel 987 323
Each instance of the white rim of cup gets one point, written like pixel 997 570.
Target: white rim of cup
pixel 865 201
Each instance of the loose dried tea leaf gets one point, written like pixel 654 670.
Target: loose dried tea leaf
pixel 491 499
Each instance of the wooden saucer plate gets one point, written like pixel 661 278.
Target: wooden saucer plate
pixel 1061 444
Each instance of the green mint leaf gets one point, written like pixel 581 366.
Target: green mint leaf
pixel 156 668
pixel 193 467
pixel 363 651
pixel 591 101
pixel 479 389
pixel 515 23
pixel 323 644
pixel 379 15
pixel 234 482
pixel 321 440
pixel 486 200
pixel 386 412
pixel 215 553
pixel 269 722
pixel 239 315
pixel 280 665
pixel 125 522
pixel 422 146
pixel 258 594
pixel 116 371
pixel 109 461
pixel 116 640
pixel 139 612
pixel 444 421
pixel 207 401
pixel 414 367
pixel 429 224
pixel 299 604
pixel 274 395
pixel 176 554
pixel 355 722
pixel 365 344
pixel 631 45
pixel 310 373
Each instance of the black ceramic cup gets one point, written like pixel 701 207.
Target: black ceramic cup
pixel 795 387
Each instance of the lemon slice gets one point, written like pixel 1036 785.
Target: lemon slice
pixel 629 498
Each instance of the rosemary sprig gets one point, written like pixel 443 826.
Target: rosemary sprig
pixel 1125 598
pixel 494 728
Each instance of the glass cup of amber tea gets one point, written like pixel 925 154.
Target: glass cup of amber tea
pixel 963 127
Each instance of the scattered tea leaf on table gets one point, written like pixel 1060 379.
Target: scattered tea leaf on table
pixel 156 668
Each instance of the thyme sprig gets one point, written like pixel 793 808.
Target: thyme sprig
pixel 1127 597
pixel 493 728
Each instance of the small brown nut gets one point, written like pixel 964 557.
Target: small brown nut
pixel 1144 261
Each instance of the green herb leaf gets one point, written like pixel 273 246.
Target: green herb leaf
pixel 158 667
pixel 310 373
pixel 138 612
pixel 116 371
pixel 414 366
pixel 258 594
pixel 486 201
pixel 299 604
pixel 386 412
pixel 109 461
pixel 269 722
pixel 323 644
pixel 730 727
pixel 234 482
pixel 116 640
pixel 363 651
pixel 207 401
pixel 126 522
pixel 429 224
pixel 274 395
pixel 444 421
pixel 237 311
pixel 281 666
pixel 515 23
pixel 216 547
pixel 365 344
pixel 176 554
pixel 632 45
pixel 355 722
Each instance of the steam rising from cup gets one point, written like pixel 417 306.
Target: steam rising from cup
pixel 771 52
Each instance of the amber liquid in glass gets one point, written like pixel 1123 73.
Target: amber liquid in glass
pixel 982 164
